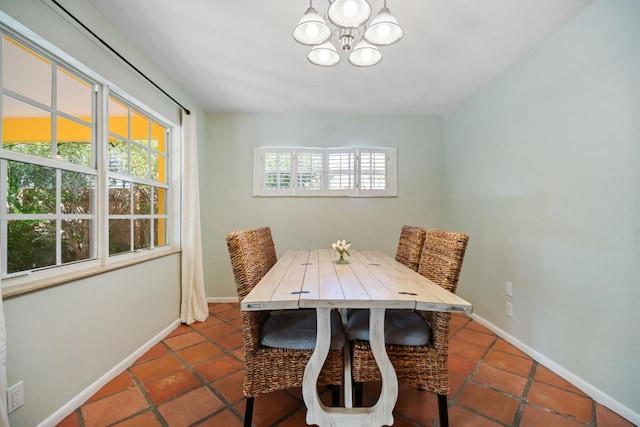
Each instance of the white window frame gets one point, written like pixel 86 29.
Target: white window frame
pixel 134 180
pixel 353 172
pixel 25 281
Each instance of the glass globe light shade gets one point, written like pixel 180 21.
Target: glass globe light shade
pixel 324 55
pixel 349 13
pixel 312 30
pixel 365 55
pixel 384 29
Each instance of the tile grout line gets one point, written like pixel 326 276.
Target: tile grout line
pixel 523 399
pixel 208 384
pixel 152 406
pixel 185 365
pixel 468 379
pixel 228 405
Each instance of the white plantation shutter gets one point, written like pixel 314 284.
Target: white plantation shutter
pixel 333 172
pixel 309 171
pixel 375 177
pixel 275 177
pixel 341 170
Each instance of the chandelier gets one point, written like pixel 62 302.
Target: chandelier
pixel 347 20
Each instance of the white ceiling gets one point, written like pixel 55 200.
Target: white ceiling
pixel 239 56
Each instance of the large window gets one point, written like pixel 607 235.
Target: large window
pixel 325 172
pixel 56 169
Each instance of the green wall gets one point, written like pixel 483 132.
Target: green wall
pixel 542 171
pixel 372 223
pixel 63 339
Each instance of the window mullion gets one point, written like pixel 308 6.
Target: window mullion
pixel 3 221
pixel 101 225
pixel 152 237
pixel 58 219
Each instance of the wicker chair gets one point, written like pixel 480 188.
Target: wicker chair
pixel 268 248
pixel 268 369
pixel 410 246
pixel 423 366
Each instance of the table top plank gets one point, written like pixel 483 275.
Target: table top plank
pixel 291 284
pixel 398 285
pixel 268 294
pixel 372 279
pixel 429 296
pixel 370 282
pixel 320 282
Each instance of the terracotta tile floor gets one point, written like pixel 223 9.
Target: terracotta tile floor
pixel 194 378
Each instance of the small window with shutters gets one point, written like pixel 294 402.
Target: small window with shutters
pixel 324 172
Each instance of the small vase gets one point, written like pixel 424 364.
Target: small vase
pixel 341 260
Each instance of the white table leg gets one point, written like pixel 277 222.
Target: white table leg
pixel 315 409
pixel 348 390
pixel 378 415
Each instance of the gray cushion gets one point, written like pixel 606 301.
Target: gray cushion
pixel 296 330
pixel 401 327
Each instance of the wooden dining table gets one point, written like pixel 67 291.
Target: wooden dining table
pixel 311 278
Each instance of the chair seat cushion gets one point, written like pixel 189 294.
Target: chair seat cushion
pixel 296 330
pixel 401 327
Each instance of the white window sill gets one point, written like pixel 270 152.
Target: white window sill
pixel 60 279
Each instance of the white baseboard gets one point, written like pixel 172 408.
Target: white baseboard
pixel 593 392
pixel 222 299
pixel 77 401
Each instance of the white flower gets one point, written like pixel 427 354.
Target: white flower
pixel 342 246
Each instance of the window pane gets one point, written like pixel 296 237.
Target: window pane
pixel 119 197
pixel 158 168
pixel 139 162
pixel 25 128
pixel 160 201
pixel 75 96
pixel 118 118
pixel 78 192
pixel 74 142
pixel 160 228
pixel 119 236
pixel 139 128
pixel 31 189
pixel 25 72
pixel 141 199
pixel 31 245
pixel 118 157
pixel 142 234
pixel 76 240
pixel 158 134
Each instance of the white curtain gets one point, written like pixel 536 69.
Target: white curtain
pixel 194 300
pixel 4 419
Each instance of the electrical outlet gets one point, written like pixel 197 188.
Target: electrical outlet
pixel 15 397
pixel 509 309
pixel 509 289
